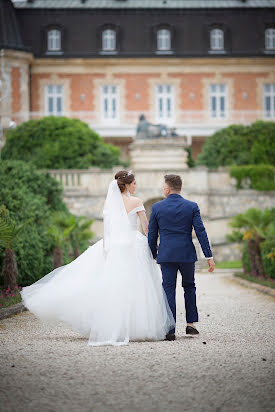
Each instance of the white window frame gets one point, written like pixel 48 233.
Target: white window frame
pixel 270 39
pixel 269 95
pixel 163 40
pixel 109 40
pixel 165 103
pixel 218 95
pixel 54 40
pixel 217 40
pixel 110 103
pixel 54 93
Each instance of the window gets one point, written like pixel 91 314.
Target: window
pixel 270 39
pixel 110 102
pixel 54 40
pixel 269 100
pixel 216 39
pixel 108 40
pixel 163 40
pixel 164 102
pixel 54 99
pixel 218 97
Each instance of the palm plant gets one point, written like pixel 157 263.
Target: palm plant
pixel 9 231
pixel 81 233
pixel 59 230
pixel 253 226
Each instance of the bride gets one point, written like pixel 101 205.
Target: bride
pixel 112 293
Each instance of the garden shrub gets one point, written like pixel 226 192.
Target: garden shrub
pixel 59 143
pixel 267 248
pixel 240 145
pixel 26 193
pixel 258 177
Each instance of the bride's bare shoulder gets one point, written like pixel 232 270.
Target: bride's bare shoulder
pixel 136 201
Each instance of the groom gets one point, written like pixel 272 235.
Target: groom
pixel 173 219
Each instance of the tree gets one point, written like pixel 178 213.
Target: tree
pixel 9 231
pixel 253 227
pixel 59 143
pixel 80 234
pixel 59 229
pixel 240 145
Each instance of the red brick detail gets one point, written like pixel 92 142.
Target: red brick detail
pixel 35 91
pixel 245 90
pixel 137 90
pixel 15 90
pixel 191 90
pixel 82 91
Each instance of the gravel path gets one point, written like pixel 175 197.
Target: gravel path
pixel 229 367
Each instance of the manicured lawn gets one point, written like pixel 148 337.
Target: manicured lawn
pixel 261 281
pixel 9 297
pixel 232 264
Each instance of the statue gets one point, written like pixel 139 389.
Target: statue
pixel 147 130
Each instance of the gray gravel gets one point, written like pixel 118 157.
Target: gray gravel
pixel 45 368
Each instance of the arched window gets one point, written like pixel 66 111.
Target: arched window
pixel 163 39
pixel 108 40
pixel 216 39
pixel 54 40
pixel 270 39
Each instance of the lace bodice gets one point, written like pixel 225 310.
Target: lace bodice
pixel 133 216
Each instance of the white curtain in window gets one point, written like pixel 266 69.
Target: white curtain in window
pixel 269 100
pixel 54 40
pixel 216 39
pixel 54 99
pixel 163 39
pixel 218 100
pixel 270 39
pixel 108 40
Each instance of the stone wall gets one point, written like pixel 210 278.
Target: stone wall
pixel 214 191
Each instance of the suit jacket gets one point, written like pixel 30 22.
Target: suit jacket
pixel 173 219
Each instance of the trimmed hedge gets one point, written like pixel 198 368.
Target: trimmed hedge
pixel 258 177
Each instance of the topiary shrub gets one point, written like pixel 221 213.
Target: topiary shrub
pixel 59 143
pixel 258 177
pixel 26 193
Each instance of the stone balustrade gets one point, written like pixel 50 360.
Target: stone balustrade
pixel 214 191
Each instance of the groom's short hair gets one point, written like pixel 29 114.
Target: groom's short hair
pixel 174 182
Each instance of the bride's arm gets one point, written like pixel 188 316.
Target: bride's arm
pixel 144 222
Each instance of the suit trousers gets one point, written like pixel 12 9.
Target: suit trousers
pixel 169 282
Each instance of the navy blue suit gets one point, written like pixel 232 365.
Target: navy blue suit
pixel 173 220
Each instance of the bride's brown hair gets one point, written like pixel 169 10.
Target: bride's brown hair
pixel 124 178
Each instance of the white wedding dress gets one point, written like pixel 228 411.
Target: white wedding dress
pixel 112 293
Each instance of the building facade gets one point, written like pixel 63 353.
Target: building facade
pixel 193 65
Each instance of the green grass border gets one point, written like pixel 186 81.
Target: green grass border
pixel 264 282
pixel 230 264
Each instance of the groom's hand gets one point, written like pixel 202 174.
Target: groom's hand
pixel 211 265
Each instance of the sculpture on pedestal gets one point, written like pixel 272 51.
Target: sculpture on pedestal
pixel 147 130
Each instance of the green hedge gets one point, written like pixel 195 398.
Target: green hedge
pixel 29 194
pixel 258 177
pixel 59 143
pixel 269 263
pixel 240 145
